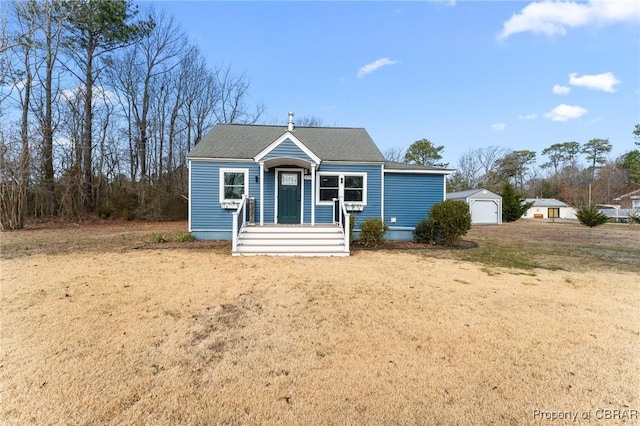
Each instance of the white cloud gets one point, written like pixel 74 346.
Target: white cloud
pixel 63 141
pixel 100 94
pixel 13 85
pixel 605 81
pixel 528 116
pixel 561 90
pixel 498 127
pixel 554 17
pixel 369 68
pixel 564 112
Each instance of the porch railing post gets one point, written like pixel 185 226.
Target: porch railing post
pixel 252 210
pixel 346 228
pixel 240 213
pixel 234 232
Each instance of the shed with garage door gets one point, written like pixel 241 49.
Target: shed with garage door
pixel 485 206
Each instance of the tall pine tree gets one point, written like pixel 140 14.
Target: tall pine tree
pixel 513 205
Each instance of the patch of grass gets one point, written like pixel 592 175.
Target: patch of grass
pixel 528 274
pixel 490 272
pixel 500 256
pixel 159 239
pixel 184 238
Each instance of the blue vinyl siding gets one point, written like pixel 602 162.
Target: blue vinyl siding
pixel 206 213
pixel 307 201
pixel 409 196
pixel 269 196
pixel 287 149
pixel 374 188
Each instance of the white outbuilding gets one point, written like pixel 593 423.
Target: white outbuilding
pixel 548 208
pixel 485 206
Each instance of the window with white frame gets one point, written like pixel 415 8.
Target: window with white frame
pixel 328 187
pixel 352 187
pixel 234 183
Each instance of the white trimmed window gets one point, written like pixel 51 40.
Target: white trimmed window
pixel 234 183
pixel 352 187
pixel 328 188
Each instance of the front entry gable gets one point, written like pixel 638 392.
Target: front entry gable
pixel 287 146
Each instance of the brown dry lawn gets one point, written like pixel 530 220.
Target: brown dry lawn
pixel 99 325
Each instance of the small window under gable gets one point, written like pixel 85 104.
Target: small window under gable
pixel 351 187
pixel 234 183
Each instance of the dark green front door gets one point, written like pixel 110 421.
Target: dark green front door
pixel 289 196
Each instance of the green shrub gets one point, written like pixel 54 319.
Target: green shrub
pixel 449 220
pixel 159 238
pixel 425 232
pixel 104 212
pixel 183 238
pixel 591 216
pixel 372 231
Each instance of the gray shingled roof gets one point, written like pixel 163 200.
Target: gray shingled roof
pixel 394 165
pixel 328 143
pixel 545 202
pixel 632 194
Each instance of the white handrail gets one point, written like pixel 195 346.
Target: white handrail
pixel 235 227
pixel 347 225
pixel 343 220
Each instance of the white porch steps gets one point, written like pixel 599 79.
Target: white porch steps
pixel 291 240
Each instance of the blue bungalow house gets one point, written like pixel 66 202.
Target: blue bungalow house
pixel 285 190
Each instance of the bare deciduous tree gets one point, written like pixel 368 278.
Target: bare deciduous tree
pixel 234 91
pixel 395 154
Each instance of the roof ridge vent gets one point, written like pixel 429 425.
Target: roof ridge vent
pixel 290 127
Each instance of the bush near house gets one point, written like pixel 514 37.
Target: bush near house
pixel 372 231
pixel 591 216
pixel 447 222
pixel 425 231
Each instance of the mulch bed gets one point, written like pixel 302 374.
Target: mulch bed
pixel 412 245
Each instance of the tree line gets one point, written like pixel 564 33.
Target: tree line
pixel 99 107
pixel 100 104
pixel 575 173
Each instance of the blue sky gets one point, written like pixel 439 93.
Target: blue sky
pixel 520 75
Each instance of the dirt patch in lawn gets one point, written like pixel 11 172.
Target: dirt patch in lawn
pixel 110 329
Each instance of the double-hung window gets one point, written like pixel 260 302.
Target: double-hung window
pixel 329 188
pixel 234 183
pixel 351 187
pixel 354 188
